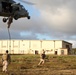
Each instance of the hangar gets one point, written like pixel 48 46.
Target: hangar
pixel 57 47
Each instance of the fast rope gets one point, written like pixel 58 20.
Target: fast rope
pixel 10 20
pixel 9 35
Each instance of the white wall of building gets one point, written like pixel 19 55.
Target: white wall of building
pixel 35 45
pixel 32 46
pixel 62 52
pixel 24 46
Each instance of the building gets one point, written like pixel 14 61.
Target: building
pixel 58 47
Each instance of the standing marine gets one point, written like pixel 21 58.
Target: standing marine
pixel 6 59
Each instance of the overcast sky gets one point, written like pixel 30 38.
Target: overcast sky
pixel 50 20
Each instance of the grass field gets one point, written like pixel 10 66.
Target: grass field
pixel 54 65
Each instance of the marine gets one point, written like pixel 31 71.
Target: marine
pixel 42 58
pixel 6 59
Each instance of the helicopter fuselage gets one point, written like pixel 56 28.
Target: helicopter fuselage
pixel 13 9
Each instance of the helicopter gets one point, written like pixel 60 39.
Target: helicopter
pixel 10 9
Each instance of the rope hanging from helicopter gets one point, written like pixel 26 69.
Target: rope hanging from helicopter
pixel 9 35
pixel 10 20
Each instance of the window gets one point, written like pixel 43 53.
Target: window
pixel 62 52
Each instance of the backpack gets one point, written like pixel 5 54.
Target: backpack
pixel 43 56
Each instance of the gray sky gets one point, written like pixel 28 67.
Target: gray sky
pixel 50 20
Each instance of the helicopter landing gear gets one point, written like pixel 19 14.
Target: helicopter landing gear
pixel 9 20
pixel 5 20
pixel 28 17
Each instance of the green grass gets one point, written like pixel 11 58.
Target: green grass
pixel 54 65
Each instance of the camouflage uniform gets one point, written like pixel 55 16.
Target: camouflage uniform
pixel 42 57
pixel 5 60
pixel 10 20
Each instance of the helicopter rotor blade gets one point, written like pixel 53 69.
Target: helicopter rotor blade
pixel 30 3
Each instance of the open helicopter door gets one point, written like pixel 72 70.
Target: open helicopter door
pixel 6 7
pixel 0 7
